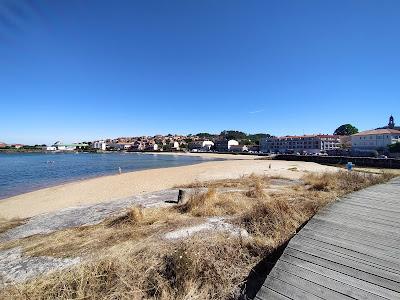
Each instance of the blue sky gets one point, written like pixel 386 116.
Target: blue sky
pixel 80 70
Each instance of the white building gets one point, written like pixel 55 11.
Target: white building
pixel 175 145
pixel 238 148
pixel 375 139
pixel 200 145
pixel 305 143
pixel 59 146
pixel 151 147
pixel 49 148
pixel 138 146
pixel 225 145
pixel 101 145
pixel 120 146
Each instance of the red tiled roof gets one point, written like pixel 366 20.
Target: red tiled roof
pixel 378 131
pixel 309 136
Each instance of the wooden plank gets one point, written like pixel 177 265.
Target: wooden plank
pixel 347 261
pixel 344 278
pixel 351 249
pixel 358 223
pixel 385 238
pixel 347 232
pixel 360 216
pixel 389 206
pixel 392 207
pixel 378 208
pixel 289 290
pixel 378 262
pixel 321 279
pixel 306 285
pixel 330 264
pixel 362 211
pixel 378 196
pixel 268 294
pixel 345 207
pixel 357 229
pixel 355 246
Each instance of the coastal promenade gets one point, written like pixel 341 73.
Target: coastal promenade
pixel 350 250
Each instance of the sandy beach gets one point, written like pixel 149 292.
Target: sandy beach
pixel 114 187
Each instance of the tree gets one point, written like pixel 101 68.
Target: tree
pixel 233 135
pixel 255 138
pixel 394 148
pixel 205 135
pixel 346 129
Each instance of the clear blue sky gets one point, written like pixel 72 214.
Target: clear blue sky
pixel 78 70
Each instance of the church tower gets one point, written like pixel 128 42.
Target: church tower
pixel 391 122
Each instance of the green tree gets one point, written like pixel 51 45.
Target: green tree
pixel 205 135
pixel 255 138
pixel 346 129
pixel 394 148
pixel 233 135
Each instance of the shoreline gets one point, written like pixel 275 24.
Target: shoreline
pixel 88 177
pixel 113 187
pixel 209 156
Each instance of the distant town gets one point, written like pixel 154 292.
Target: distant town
pixel 346 140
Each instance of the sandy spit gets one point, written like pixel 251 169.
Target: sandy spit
pixel 114 187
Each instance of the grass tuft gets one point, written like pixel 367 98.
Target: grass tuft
pixel 133 216
pixel 6 225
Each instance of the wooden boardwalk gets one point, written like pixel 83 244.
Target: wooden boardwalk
pixel 350 250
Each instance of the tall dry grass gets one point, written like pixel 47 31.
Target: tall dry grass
pixel 211 203
pixel 242 182
pixel 195 268
pixel 209 266
pixel 133 225
pixel 9 224
pixel 344 182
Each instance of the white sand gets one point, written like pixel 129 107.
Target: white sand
pixel 113 187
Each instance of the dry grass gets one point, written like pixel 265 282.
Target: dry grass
pixel 344 182
pixel 136 264
pixel 9 224
pixel 191 269
pixel 133 225
pixel 242 182
pixel 210 203
pixel 256 190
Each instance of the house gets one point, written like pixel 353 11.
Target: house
pixel 254 148
pixel 17 146
pixel 101 145
pixel 49 148
pixel 238 148
pixel 200 145
pixel 68 147
pixel 225 145
pixel 151 147
pixel 137 146
pixel 311 144
pixel 122 146
pixel 3 145
pixel 175 145
pixel 375 139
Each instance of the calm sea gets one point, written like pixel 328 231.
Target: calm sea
pixel 24 172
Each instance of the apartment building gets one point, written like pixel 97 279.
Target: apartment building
pixel 306 143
